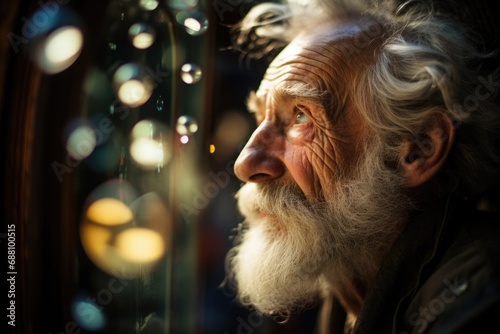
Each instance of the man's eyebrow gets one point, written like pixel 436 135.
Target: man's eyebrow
pixel 300 91
pixel 287 91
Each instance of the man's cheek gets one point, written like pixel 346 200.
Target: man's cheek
pixel 324 165
pixel 308 174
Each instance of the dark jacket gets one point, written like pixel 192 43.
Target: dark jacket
pixel 441 276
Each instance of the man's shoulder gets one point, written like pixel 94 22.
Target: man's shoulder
pixel 464 286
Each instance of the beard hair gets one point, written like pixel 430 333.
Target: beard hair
pixel 291 249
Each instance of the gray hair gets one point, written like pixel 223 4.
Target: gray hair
pixel 425 60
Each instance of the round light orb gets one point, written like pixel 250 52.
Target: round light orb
pixel 149 146
pixel 109 211
pixel 191 73
pixel 148 4
pixel 195 23
pixel 186 125
pixel 142 35
pixel 60 49
pixel 81 142
pixel 131 85
pixel 140 245
pixel 88 315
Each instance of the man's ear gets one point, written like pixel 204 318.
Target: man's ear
pixel 422 159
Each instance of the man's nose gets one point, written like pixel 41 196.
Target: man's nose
pixel 260 161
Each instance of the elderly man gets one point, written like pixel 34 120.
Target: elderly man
pixel 376 142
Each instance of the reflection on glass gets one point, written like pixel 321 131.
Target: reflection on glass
pixel 184 139
pixel 109 211
pixel 81 142
pixel 182 4
pixel 186 125
pixel 149 146
pixel 133 93
pixel 160 103
pixel 195 23
pixel 142 35
pixel 190 73
pixel 60 49
pixel 140 245
pixel 131 85
pixel 96 242
pixel 88 315
pixel 148 4
pixel 147 152
pixel 125 240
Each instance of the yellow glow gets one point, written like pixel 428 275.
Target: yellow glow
pixel 95 239
pixel 131 86
pixel 144 128
pixel 109 211
pixel 212 148
pixel 140 245
pixel 186 125
pixel 133 93
pixel 60 50
pixel 143 40
pixel 147 152
pixel 81 142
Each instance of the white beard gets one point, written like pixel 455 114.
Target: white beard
pixel 288 244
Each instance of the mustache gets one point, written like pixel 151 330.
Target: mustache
pixel 276 198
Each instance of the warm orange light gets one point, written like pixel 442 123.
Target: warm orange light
pixel 95 240
pixel 109 211
pixel 140 245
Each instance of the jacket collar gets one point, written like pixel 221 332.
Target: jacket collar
pixel 404 269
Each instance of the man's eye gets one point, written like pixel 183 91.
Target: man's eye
pixel 301 117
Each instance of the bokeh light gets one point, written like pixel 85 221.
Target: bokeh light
pixel 149 4
pixel 96 243
pixel 149 146
pixel 147 152
pixel 60 49
pixel 140 245
pixel 131 85
pixel 128 237
pixel 186 125
pixel 184 139
pixel 195 23
pixel 81 142
pixel 109 211
pixel 191 73
pixel 88 315
pixel 142 35
pixel 133 93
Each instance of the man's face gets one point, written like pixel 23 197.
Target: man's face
pixel 299 139
pixel 320 204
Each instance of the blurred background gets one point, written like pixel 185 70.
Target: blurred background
pixel 120 125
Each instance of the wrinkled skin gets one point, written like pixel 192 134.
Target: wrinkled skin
pixel 310 135
pixel 298 139
pixel 310 140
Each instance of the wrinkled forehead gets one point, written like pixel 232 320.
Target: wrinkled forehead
pixel 320 59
